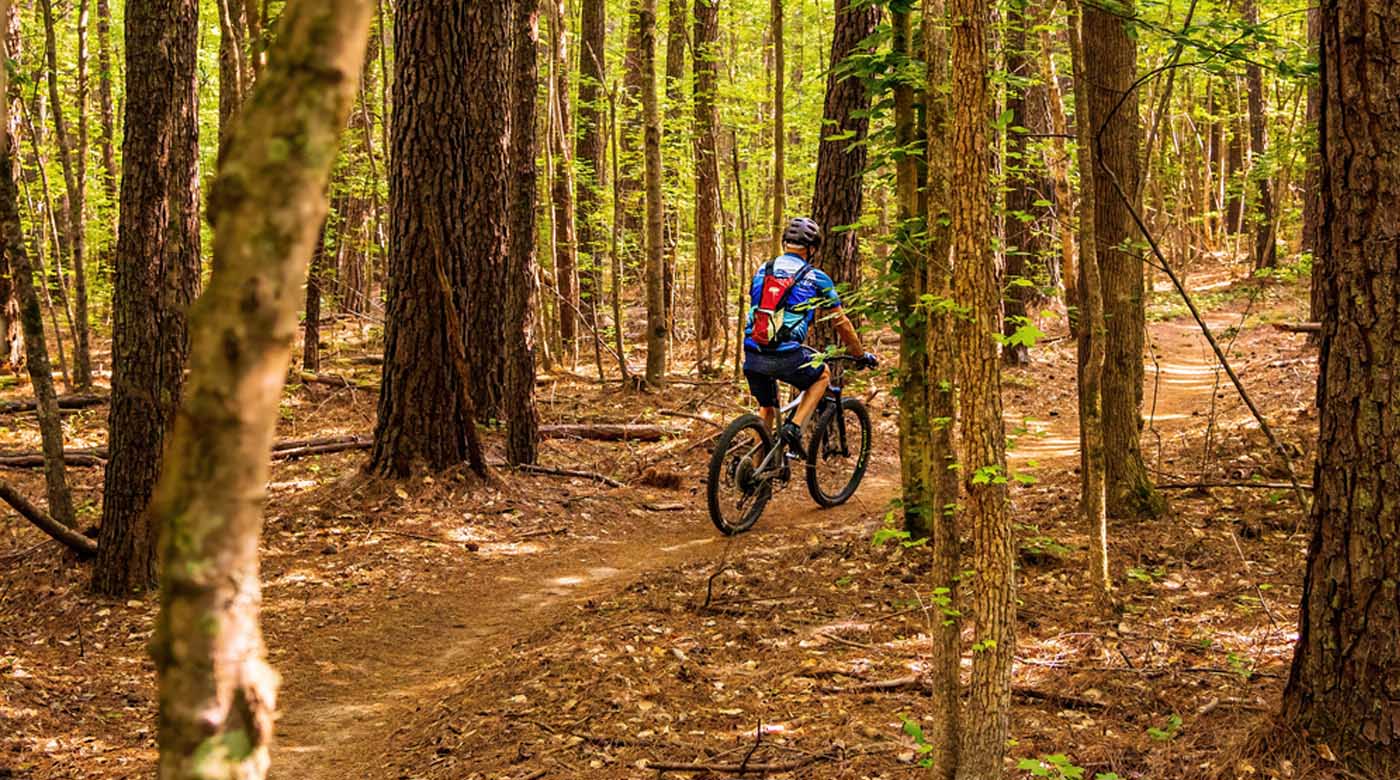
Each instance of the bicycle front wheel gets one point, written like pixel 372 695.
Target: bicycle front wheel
pixel 838 453
pixel 737 493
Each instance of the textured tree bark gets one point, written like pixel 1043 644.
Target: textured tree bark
pixel 631 161
pixel 709 272
pixel 1058 161
pixel 657 331
pixel 74 165
pixel 588 159
pixel 311 321
pixel 779 133
pixel 104 95
pixel 1111 54
pixel 673 146
pixel 1312 185
pixel 1234 161
pixel 911 264
pixel 1092 334
pixel 562 191
pixel 239 28
pixel 448 205
pixel 156 279
pixel 522 418
pixel 983 446
pixel 1265 247
pixel 1344 686
pixel 217 692
pixel 31 317
pixel 839 198
pixel 11 328
pixel 1023 189
pixel 944 545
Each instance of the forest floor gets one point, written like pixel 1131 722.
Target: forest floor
pixel 540 627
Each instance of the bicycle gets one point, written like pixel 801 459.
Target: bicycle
pixel 749 458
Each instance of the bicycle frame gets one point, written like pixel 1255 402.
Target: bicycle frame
pixel 786 412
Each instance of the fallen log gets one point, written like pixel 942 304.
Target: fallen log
pixel 1299 327
pixel 553 472
pixel 68 537
pixel 35 460
pixel 605 432
pixel 334 380
pixel 307 449
pixel 79 401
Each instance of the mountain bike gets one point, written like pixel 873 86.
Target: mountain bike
pixel 749 459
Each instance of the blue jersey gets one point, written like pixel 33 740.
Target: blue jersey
pixel 815 291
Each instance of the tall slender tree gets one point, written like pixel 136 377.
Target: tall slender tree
pixel 779 126
pixel 21 270
pixel 522 431
pixel 657 331
pixel 588 159
pixel 1343 683
pixel 709 271
pixel 941 484
pixel 562 189
pixel 217 693
pixel 106 108
pixel 1110 52
pixel 71 159
pixel 448 234
pixel 1262 219
pixel 982 454
pixel 156 278
pixel 1092 331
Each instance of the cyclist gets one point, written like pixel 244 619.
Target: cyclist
pixel 786 294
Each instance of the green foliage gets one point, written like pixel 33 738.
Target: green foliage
pixel 1173 726
pixel 1058 767
pixel 914 731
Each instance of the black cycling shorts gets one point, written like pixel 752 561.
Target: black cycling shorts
pixel 765 370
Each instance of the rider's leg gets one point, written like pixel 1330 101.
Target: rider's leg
pixel 769 416
pixel 811 397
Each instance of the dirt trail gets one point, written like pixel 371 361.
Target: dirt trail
pixel 339 716
pixel 347 691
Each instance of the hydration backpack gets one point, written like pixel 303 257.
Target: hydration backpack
pixel 769 319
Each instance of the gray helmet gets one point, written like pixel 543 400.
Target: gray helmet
pixel 802 231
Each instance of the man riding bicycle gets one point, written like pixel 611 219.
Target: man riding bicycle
pixel 786 294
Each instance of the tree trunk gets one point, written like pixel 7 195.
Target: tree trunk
pixel 11 327
pixel 1234 162
pixel 73 163
pixel 709 273
pixel 839 198
pixel 1312 185
pixel 631 162
pixel 105 76
pixel 939 380
pixel 562 192
pixel 1091 336
pixel 673 147
pixel 1343 684
pixel 1023 189
pixel 1265 247
pixel 311 321
pixel 590 175
pixel 1058 161
pixel 779 133
pixel 1111 54
pixel 217 693
pixel 156 278
pixel 448 200
pixel 657 330
pixel 31 317
pixel 983 446
pixel 912 266
pixel 522 431
pixel 237 20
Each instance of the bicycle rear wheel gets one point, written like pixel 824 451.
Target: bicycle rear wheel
pixel 838 452
pixel 736 495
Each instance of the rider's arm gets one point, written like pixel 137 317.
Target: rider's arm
pixel 847 333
